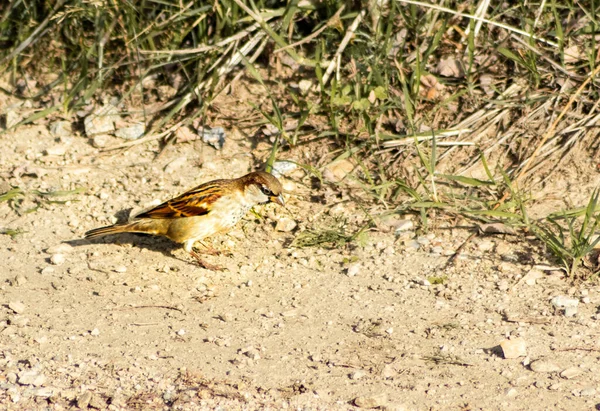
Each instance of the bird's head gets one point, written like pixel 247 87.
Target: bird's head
pixel 261 187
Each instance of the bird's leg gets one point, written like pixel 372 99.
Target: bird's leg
pixel 213 251
pixel 203 263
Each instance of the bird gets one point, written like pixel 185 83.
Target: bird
pixel 210 208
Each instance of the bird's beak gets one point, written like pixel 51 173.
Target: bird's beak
pixel 278 200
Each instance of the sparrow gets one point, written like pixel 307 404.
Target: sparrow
pixel 210 208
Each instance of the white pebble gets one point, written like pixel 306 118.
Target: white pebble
pixel 57 259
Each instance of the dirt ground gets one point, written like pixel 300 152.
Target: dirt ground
pixel 130 322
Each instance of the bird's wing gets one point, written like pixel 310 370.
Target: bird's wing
pixel 195 202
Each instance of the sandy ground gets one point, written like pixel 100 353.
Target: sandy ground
pixel 130 322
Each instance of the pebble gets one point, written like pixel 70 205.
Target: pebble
pixel 353 270
pixel 31 377
pixel 47 270
pixel 282 168
pixel 532 276
pixel 285 225
pixel 337 171
pixel 19 280
pixel 101 121
pixel 19 321
pixel 370 401
pixel 503 285
pixel 357 375
pixel 570 373
pixel 562 301
pixel 17 306
pixel 100 140
pixel 543 366
pixel 486 245
pixel 423 240
pixel 57 259
pixel 84 400
pixel 62 248
pixel 588 392
pixel 404 225
pixel 214 137
pixel 569 304
pixel 120 269
pixel 514 348
pixel 132 132
pixel 44 392
pixel 61 128
pixel 57 150
pixel 95 332
pixel 304 86
pixel 511 392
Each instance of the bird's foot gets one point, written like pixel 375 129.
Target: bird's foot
pixel 203 263
pixel 213 251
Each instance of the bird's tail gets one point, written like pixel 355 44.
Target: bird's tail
pixel 111 229
pixel 141 226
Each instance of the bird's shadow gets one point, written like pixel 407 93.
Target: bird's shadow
pixel 147 241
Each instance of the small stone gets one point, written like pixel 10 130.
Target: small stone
pixel 214 137
pixel 554 387
pixel 181 332
pixel 97 402
pixel 511 392
pixel 17 306
pixel 353 270
pixel 11 119
pixel 570 311
pixel 19 321
pixel 404 225
pixel 423 240
pixel 44 392
pixel 62 248
pixel 120 269
pixel 57 259
pixel 304 86
pixel 252 353
pixel 543 366
pixel 100 140
pixel 370 401
pixel 337 171
pixel 570 373
pixel 532 276
pixel 61 128
pixel 514 348
pixel 588 392
pixel 486 245
pixel 47 270
pixel 503 285
pixel 101 121
pixel 95 332
pixel 31 377
pixel 132 132
pixel 19 280
pixel 290 313
pixel 357 375
pixel 562 301
pixel 285 225
pixel 84 400
pixel 586 300
pixel 57 150
pixel 282 168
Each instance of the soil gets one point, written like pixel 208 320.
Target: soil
pixel 131 322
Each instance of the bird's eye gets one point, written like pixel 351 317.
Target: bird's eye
pixel 266 191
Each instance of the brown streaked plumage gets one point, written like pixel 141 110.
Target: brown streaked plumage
pixel 203 211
